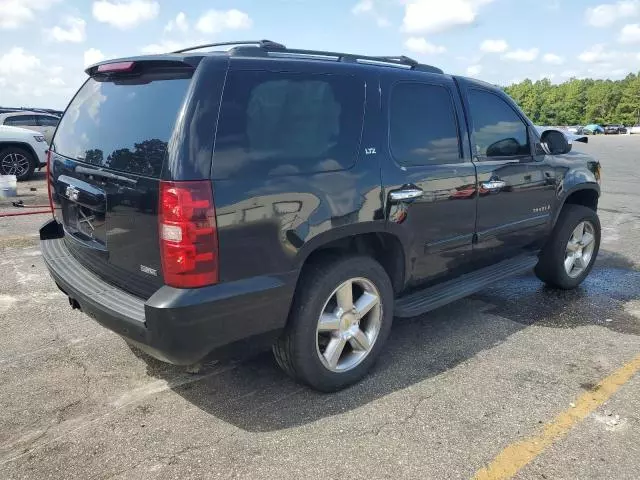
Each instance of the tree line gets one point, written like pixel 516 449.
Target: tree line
pixel 580 101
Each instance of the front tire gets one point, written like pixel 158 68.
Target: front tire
pixel 572 248
pixel 18 162
pixel 339 321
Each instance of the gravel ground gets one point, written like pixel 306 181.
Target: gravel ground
pixel 454 388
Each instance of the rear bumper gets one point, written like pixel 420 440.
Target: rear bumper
pixel 179 326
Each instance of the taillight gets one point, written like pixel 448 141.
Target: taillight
pixel 188 234
pixel 49 180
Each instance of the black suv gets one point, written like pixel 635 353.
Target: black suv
pixel 294 199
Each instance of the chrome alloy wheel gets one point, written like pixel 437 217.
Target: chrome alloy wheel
pixel 349 325
pixel 14 164
pixel 579 249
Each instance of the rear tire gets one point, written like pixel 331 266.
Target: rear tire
pixel 17 161
pixel 572 248
pixel 326 344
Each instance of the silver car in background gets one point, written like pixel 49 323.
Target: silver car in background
pixel 39 122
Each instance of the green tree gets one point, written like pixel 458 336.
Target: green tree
pixel 579 101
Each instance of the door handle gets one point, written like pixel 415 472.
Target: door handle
pixel 405 194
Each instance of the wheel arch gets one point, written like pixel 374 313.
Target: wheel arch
pixel 383 246
pixel 23 145
pixel 586 194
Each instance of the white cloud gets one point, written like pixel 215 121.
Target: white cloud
pixel 56 82
pixel 521 55
pixel 420 45
pixel 607 14
pixel 363 6
pixel 569 74
pixel 179 24
pixel 367 7
pixel 16 13
pixel 166 46
pixel 74 31
pixel 548 76
pixel 125 14
pixel 434 16
pixel 630 33
pixel 216 21
pixel 553 59
pixel 494 46
pixel 93 55
pixel 474 70
pixel 18 61
pixel 595 54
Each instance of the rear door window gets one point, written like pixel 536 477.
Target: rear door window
pixel 21 121
pixel 423 129
pixel 284 123
pixel 122 125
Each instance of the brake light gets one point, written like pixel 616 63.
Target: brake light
pixel 116 67
pixel 188 234
pixel 49 180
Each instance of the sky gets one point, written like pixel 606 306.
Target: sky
pixel 46 44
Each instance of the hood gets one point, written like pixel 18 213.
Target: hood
pixel 16 130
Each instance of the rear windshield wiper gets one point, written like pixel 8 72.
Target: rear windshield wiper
pixel 104 174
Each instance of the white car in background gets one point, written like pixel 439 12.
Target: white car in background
pixel 21 152
pixel 40 122
pixel 635 130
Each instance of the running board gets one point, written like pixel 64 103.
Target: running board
pixel 441 294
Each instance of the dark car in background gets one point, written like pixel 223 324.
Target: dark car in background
pixel 614 129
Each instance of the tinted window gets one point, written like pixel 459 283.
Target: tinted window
pixel 45 121
pixel 18 120
pixel 499 131
pixel 124 126
pixel 288 123
pixel 422 125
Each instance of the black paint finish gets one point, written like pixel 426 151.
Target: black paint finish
pixel 470 212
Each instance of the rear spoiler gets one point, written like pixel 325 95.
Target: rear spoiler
pixel 183 60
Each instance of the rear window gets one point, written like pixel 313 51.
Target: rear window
pixel 284 123
pixel 122 126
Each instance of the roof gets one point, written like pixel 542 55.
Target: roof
pixel 10 113
pixel 270 49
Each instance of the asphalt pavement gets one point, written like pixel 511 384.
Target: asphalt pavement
pixel 516 375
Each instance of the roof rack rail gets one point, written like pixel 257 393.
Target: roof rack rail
pixel 281 51
pixel 261 43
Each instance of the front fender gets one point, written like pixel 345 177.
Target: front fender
pixel 585 177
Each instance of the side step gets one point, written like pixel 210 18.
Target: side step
pixel 436 296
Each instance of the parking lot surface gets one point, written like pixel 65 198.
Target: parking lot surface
pixel 515 380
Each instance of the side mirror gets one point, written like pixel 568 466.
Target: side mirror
pixel 555 143
pixel 503 148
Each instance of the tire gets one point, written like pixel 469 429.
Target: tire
pixel 302 351
pixel 551 267
pixel 13 162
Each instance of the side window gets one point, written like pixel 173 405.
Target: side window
pixel 46 121
pixel 498 130
pixel 283 123
pixel 20 120
pixel 422 125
